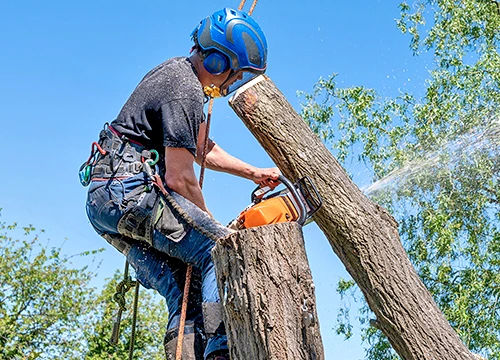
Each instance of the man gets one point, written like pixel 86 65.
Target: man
pixel 163 118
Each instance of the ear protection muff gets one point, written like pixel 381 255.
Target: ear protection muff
pixel 216 63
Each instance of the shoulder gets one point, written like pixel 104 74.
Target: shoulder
pixel 175 79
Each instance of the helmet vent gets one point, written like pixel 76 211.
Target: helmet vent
pixel 220 18
pixel 253 52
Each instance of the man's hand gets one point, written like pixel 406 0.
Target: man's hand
pixel 266 177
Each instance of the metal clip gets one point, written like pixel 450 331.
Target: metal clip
pixel 307 317
pixel 147 169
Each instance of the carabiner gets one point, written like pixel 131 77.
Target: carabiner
pixel 157 157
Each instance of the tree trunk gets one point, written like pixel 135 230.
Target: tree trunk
pixel 361 233
pixel 268 294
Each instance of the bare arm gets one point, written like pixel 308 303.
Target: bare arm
pixel 181 178
pixel 219 160
pixel 180 175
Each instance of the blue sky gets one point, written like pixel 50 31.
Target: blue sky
pixel 66 67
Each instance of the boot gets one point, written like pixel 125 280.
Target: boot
pixel 193 344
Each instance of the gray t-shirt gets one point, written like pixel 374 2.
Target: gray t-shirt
pixel 165 109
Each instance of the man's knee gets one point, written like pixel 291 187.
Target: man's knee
pixel 193 345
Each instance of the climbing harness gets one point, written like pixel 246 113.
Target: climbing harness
pixel 119 157
pixel 116 157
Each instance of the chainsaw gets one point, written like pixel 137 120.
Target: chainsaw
pixel 296 202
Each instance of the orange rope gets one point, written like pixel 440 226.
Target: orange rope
pixel 189 271
pixel 185 298
pixel 242 3
pixel 252 7
pixel 182 322
pixel 205 144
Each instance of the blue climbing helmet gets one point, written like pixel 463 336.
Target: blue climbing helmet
pixel 231 39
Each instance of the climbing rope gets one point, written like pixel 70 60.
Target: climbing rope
pixel 182 322
pixel 119 297
pixel 134 321
pixel 242 3
pixel 205 142
pixel 189 271
pixel 187 284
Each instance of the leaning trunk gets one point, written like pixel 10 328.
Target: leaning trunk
pixel 361 233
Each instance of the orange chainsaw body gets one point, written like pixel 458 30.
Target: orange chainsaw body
pixel 297 202
pixel 271 211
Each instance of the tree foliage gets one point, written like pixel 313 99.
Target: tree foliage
pixel 435 163
pixel 42 299
pixel 50 310
pixel 150 328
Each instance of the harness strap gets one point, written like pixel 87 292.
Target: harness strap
pixel 122 156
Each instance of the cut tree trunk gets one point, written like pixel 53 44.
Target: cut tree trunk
pixel 268 294
pixel 362 234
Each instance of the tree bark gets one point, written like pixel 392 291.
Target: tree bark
pixel 361 233
pixel 268 294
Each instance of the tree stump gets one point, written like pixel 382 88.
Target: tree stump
pixel 268 294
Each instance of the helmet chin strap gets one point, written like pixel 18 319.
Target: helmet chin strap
pixel 213 91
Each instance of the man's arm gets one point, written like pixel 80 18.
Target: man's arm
pixel 181 178
pixel 180 175
pixel 219 160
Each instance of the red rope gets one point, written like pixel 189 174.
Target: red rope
pixel 182 323
pixel 205 143
pixel 252 8
pixel 189 271
pixel 92 151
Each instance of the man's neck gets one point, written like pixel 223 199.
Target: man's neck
pixel 201 73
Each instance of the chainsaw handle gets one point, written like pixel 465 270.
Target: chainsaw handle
pixel 259 193
pixel 302 208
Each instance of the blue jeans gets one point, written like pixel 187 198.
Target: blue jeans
pixel 105 207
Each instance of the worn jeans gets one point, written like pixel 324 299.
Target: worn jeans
pixel 105 207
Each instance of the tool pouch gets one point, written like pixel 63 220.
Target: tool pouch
pixel 168 222
pixel 153 212
pixel 138 220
